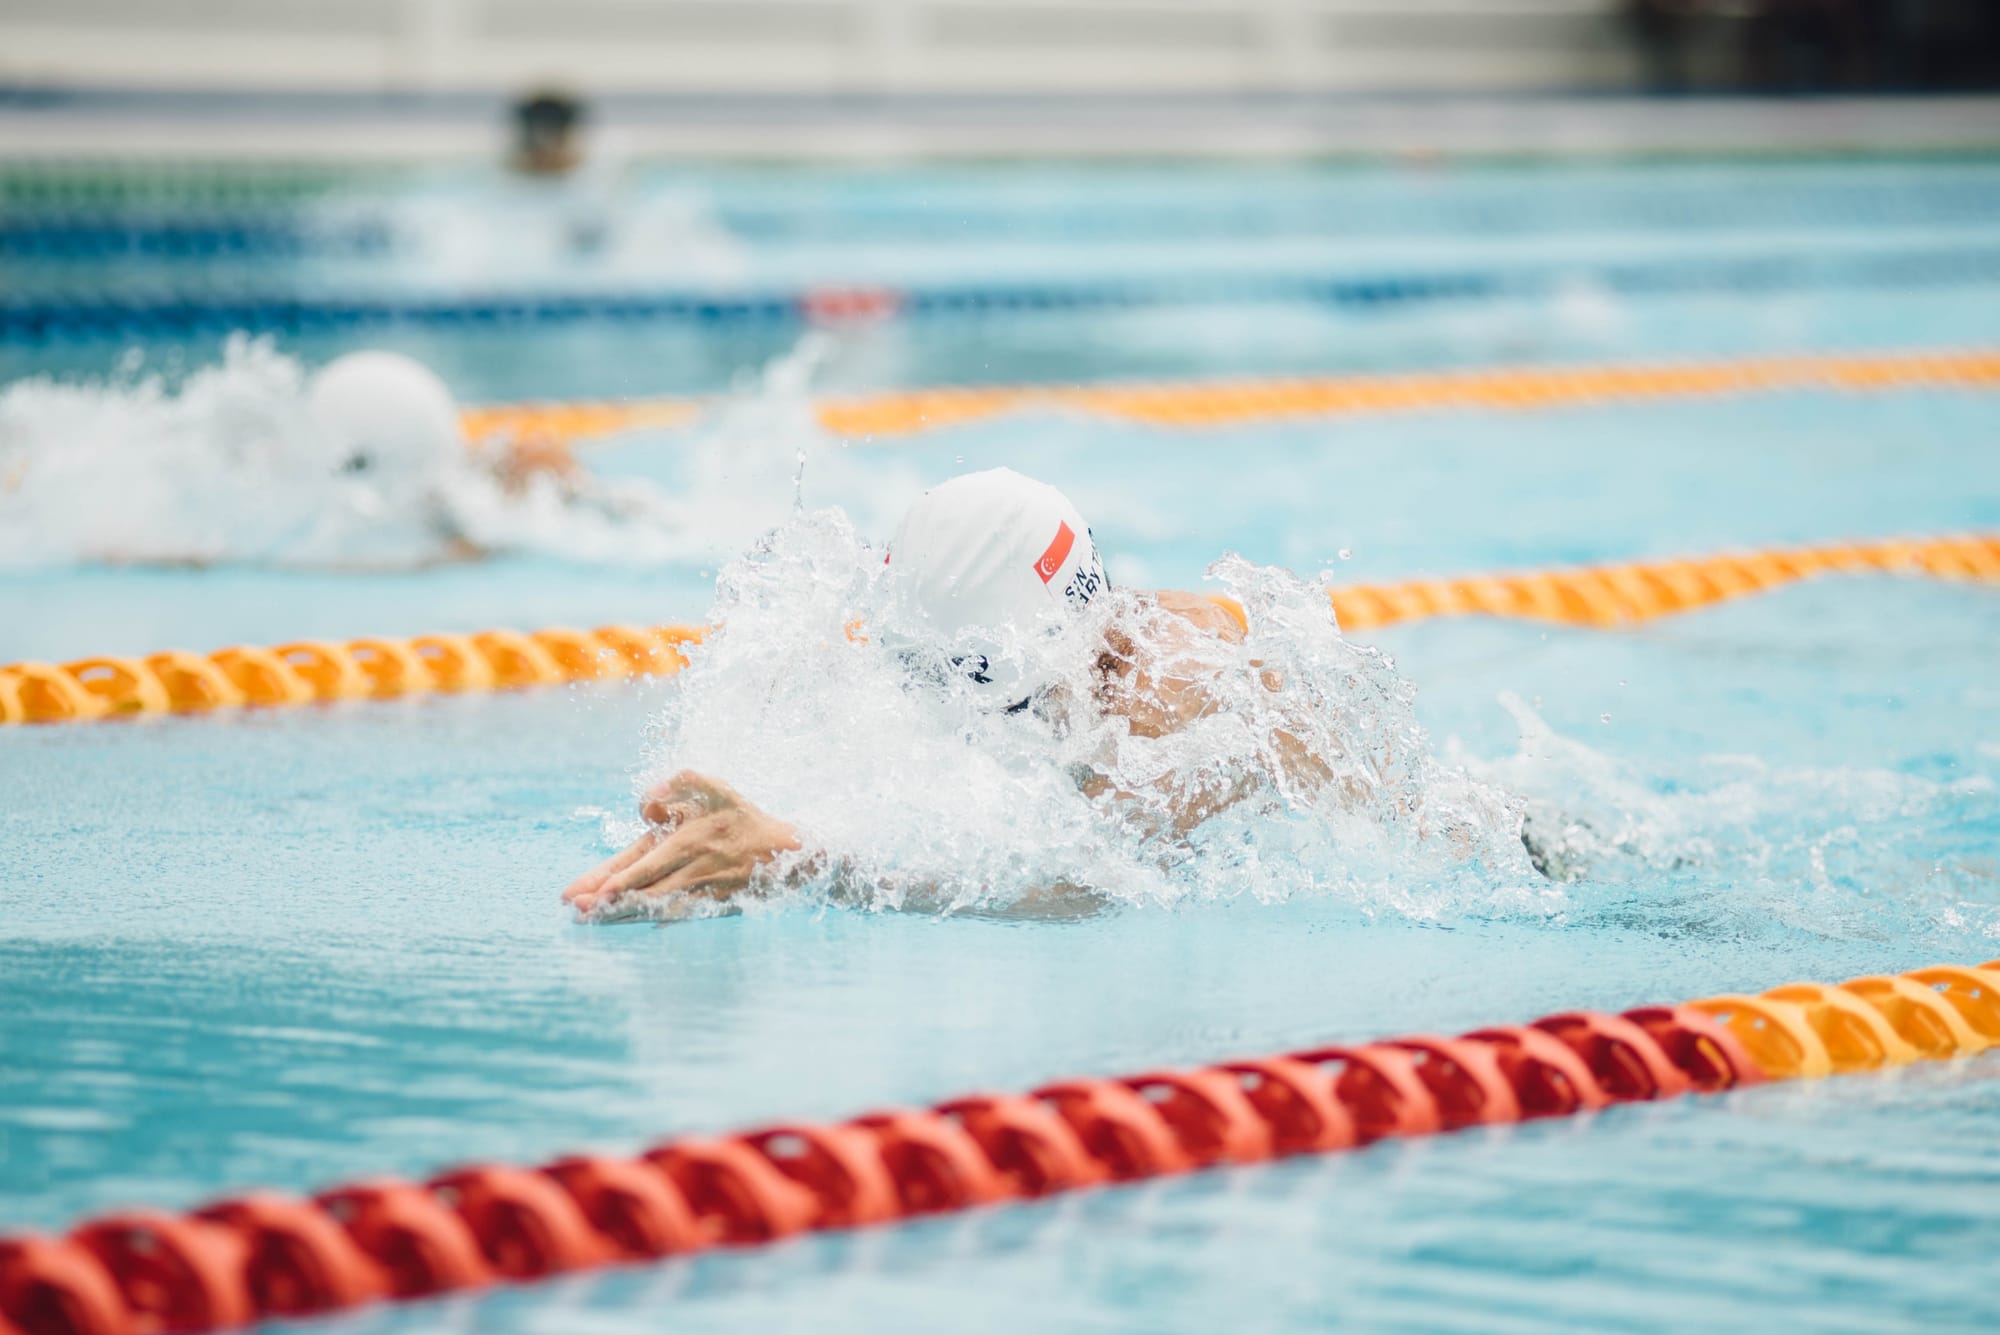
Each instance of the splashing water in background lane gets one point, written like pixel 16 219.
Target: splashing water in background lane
pixel 130 471
pixel 761 449
pixel 593 229
pixel 924 796
pixel 229 467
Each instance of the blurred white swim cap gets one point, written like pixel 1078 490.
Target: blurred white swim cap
pixel 989 551
pixel 389 416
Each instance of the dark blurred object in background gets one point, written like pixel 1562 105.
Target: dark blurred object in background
pixel 1809 46
pixel 1939 43
pixel 546 140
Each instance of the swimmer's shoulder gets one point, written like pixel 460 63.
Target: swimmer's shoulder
pixel 1222 617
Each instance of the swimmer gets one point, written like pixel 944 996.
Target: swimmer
pixel 389 417
pixel 546 142
pixel 392 429
pixel 363 464
pixel 984 551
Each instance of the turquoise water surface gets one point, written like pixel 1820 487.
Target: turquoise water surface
pixel 293 947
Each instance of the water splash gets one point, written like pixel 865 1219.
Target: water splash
pixel 131 470
pixel 487 232
pixel 229 467
pixel 1732 846
pixel 920 794
pixel 761 456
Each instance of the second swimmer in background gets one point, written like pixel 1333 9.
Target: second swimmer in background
pixel 409 469
pixel 411 478
pixel 362 465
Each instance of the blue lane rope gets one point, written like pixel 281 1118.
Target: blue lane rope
pixel 86 239
pixel 45 318
pixel 79 230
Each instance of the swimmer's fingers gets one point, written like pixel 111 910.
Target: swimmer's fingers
pixel 667 857
pixel 640 868
pixel 713 875
pixel 651 878
pixel 588 884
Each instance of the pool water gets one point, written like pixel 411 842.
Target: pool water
pixel 1217 268
pixel 293 947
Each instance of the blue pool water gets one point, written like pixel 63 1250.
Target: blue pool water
pixel 294 947
pixel 1591 261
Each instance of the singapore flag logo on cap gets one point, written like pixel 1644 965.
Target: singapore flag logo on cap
pixel 1058 552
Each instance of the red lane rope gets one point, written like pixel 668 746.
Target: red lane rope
pixel 265 1255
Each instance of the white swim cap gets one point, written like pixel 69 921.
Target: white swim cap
pixel 389 417
pixel 990 553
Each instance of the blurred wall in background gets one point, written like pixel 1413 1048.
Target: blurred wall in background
pixel 821 46
pixel 866 46
pixel 782 77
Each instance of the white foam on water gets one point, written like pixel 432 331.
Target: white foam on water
pixel 824 703
pixel 761 450
pixel 229 467
pixel 1735 845
pixel 129 470
pixel 590 230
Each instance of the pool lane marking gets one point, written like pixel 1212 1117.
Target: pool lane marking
pixel 383 667
pixel 263 1255
pixel 1225 403
pixel 97 313
pixel 1627 594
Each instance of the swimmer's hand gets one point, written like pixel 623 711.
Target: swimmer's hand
pixel 705 841
pixel 519 460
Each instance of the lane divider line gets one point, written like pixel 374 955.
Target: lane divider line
pixel 384 667
pixel 1630 593
pixel 1222 403
pixel 264 1255
pixel 577 421
pixel 98 312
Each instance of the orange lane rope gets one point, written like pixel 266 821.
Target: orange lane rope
pixel 575 421
pixel 1220 403
pixel 264 1255
pixel 1637 591
pixel 380 667
pixel 310 671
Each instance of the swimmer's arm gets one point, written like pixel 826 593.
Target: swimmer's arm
pixel 1186 805
pixel 1166 688
pixel 518 460
pixel 1201 612
pixel 706 842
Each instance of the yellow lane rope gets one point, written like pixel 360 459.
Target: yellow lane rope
pixel 1221 403
pixel 380 667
